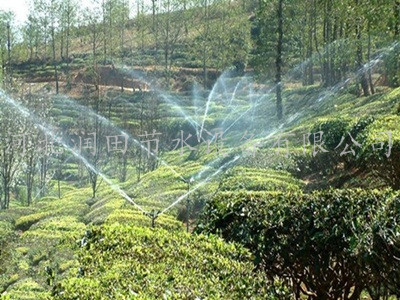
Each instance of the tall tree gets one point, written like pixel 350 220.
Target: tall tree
pixel 53 12
pixel 68 19
pixel 12 149
pixel 6 38
pixel 279 62
pixel 171 25
pixel 4 20
pixel 359 52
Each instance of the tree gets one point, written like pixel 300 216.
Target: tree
pixel 30 32
pixel 32 155
pixel 154 23
pixel 171 26
pixel 53 11
pixel 122 17
pixel 271 35
pixel 40 8
pixel 221 35
pixel 6 36
pixel 359 52
pixel 12 149
pixel 307 42
pixel 279 50
pixel 68 19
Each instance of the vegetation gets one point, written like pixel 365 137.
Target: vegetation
pixel 324 242
pixel 119 261
pixel 269 130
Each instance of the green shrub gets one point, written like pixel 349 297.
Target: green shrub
pixel 385 252
pixel 358 128
pixel 6 233
pixel 123 262
pixel 376 160
pixel 391 65
pixel 329 133
pixel 25 222
pixel 136 218
pixel 252 179
pixel 333 131
pixel 26 289
pixel 329 234
pixel 101 209
pixel 6 229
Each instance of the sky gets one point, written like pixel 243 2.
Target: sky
pixel 19 7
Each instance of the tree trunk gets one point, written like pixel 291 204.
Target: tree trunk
pixel 310 63
pixel 371 83
pixel 8 50
pixel 110 29
pixel 67 32
pixel 315 36
pixel 167 43
pixel 141 130
pixel 332 65
pixel 104 32
pixel 30 43
pixel 62 43
pixel 363 77
pixel 184 18
pixel 43 175
pixel 206 19
pixel 397 19
pixel 54 57
pixel 3 64
pixel 327 30
pixel 278 62
pixel 30 176
pixel 155 33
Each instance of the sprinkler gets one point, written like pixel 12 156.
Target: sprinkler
pixel 188 182
pixel 153 215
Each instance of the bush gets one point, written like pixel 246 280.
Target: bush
pixel 376 160
pixel 252 179
pixel 333 131
pixel 359 127
pixel 324 163
pixel 325 242
pixel 391 65
pixel 136 218
pixel 121 262
pixel 384 260
pixel 25 222
pixel 26 289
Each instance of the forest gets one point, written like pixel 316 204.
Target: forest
pixel 200 149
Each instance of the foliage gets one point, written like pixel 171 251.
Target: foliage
pixel 134 218
pixel 333 130
pixel 26 289
pixel 251 179
pixel 119 261
pixel 324 241
pixel 376 148
pixel 25 222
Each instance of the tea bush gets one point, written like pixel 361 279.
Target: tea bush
pixel 121 262
pixel 328 242
pixel 252 179
pixel 136 218
pixel 374 157
pixel 26 289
